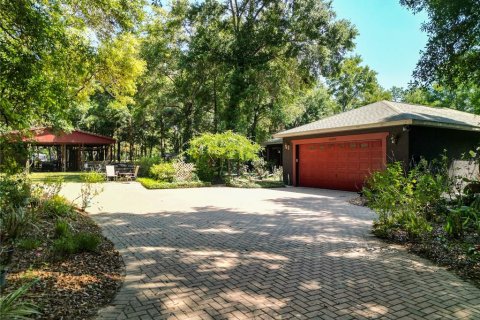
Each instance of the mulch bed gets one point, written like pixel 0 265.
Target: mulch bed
pixel 440 248
pixel 71 287
pixel 450 253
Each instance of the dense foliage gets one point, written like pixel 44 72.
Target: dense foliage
pixel 154 77
pixel 407 200
pixel 216 153
pixel 452 54
pixel 421 197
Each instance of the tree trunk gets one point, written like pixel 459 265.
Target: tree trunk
pixel 215 106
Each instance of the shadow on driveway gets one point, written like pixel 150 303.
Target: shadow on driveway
pixel 306 255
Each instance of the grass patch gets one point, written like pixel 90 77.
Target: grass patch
pixel 154 184
pixel 246 183
pixel 29 244
pixel 38 177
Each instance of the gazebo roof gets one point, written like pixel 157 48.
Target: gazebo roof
pixel 46 136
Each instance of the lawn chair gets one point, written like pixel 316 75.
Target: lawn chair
pixel 132 175
pixel 110 171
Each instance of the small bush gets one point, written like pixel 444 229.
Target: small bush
pixel 81 242
pixel 250 183
pixel 277 174
pixel 206 169
pixel 406 201
pixel 86 242
pixel 163 172
pixel 64 246
pixel 154 184
pixel 57 206
pixel 214 154
pixel 90 188
pixel 15 191
pixel 62 229
pixel 145 164
pixel 93 177
pixel 14 222
pixel 260 167
pixel 29 244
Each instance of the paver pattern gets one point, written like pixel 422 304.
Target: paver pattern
pixel 293 253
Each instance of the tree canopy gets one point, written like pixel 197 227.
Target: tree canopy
pixel 452 54
pixel 156 77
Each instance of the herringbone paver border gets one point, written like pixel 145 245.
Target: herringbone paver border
pixel 221 253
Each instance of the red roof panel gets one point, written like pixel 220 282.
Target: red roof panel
pixel 48 137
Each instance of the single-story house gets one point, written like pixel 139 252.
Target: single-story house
pixel 339 152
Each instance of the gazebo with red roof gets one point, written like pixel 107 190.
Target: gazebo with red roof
pixel 72 151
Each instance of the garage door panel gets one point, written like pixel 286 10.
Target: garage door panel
pixel 342 165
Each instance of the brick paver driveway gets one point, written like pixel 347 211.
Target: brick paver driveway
pixel 221 253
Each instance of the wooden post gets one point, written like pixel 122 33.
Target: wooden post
pixel 64 157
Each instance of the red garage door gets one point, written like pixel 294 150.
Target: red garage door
pixel 339 165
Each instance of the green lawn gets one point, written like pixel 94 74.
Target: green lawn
pixel 66 176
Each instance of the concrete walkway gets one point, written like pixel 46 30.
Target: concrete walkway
pixel 293 253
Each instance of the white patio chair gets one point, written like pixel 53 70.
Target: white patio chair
pixel 110 171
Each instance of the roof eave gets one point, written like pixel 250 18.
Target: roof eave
pixel 426 123
pixel 381 125
pixel 347 128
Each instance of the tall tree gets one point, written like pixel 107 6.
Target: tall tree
pixel 263 34
pixel 315 105
pixel 463 97
pixel 53 54
pixel 355 85
pixel 452 54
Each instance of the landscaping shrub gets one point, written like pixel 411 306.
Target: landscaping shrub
pixel 90 188
pixel 154 184
pixel 163 172
pixel 406 200
pixel 12 306
pixel 93 177
pixel 57 206
pixel 15 191
pixel 81 242
pixel 63 246
pixel 252 183
pixel 145 164
pixel 206 169
pixel 260 168
pixel 214 154
pixel 86 242
pixel 14 222
pixel 62 228
pixel 29 244
pixel 277 174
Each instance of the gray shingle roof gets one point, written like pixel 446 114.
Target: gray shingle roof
pixel 387 113
pixel 273 141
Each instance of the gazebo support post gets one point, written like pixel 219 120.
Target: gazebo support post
pixel 64 157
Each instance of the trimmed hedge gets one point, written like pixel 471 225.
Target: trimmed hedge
pixel 154 184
